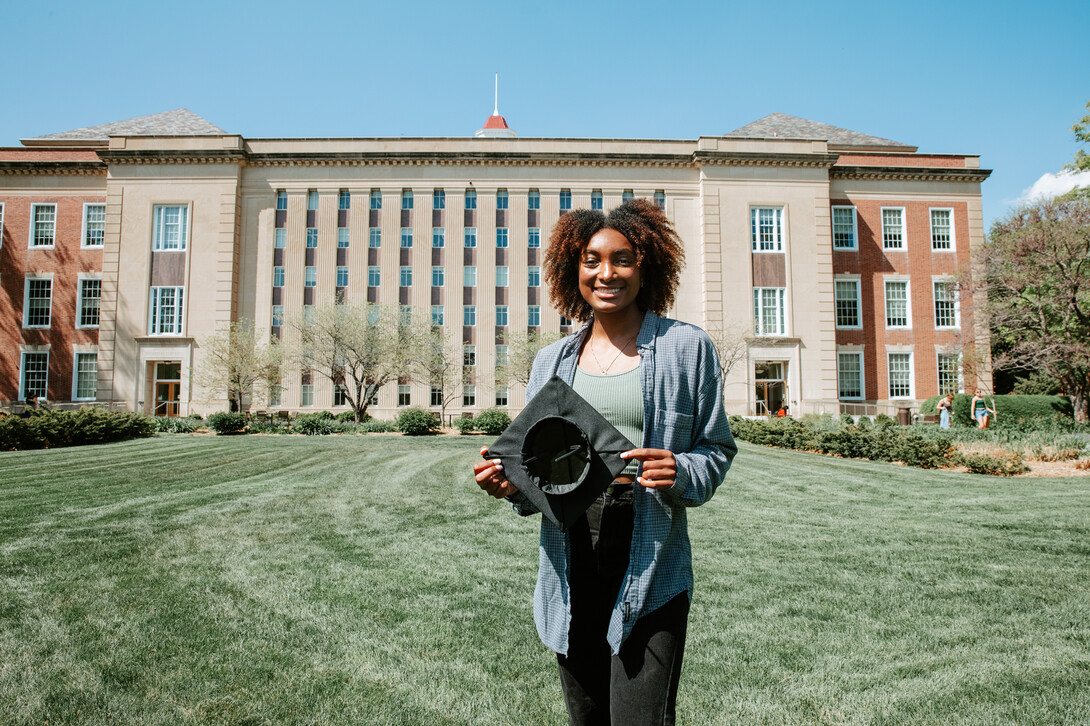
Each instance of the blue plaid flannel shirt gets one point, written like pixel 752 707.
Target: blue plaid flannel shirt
pixel 683 413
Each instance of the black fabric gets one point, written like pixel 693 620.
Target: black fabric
pixel 639 685
pixel 560 453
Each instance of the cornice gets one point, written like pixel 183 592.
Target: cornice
pixel 909 173
pixel 47 168
pixel 766 341
pixel 172 156
pixel 439 158
pixel 740 158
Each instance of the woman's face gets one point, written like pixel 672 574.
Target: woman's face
pixel 609 275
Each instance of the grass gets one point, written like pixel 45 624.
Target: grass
pixel 289 580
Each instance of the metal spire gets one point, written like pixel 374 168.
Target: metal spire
pixel 496 111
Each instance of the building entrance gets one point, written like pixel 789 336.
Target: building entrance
pixel 168 388
pixel 771 386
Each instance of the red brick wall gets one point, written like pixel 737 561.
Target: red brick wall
pixel 920 160
pixel 919 262
pixel 65 260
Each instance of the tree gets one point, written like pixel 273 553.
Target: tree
pixel 522 348
pixel 361 348
pixel 442 365
pixel 731 344
pixel 1037 293
pixel 1082 133
pixel 238 359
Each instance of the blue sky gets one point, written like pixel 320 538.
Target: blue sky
pixel 1001 79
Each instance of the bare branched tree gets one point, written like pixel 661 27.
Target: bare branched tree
pixel 440 363
pixel 522 348
pixel 730 341
pixel 240 360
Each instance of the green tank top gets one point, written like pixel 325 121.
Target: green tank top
pixel 619 398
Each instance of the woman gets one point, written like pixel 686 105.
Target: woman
pixel 612 597
pixel 946 406
pixel 980 409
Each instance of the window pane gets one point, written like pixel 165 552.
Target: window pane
pixel 86 375
pixel 280 238
pixel 44 224
pixel 896 304
pixel 501 199
pixel 406 276
pixel 94 225
pixel 501 276
pixel 407 199
pixel 941 237
pixel 945 305
pixel 844 227
pixel 900 375
pixel 344 200
pixel 469 355
pixel 438 276
pixel 376 199
pixel 310 276
pixel 471 199
pixel 949 374
pixel 847 303
pixel 469 277
pixel 374 237
pixel 437 315
pixel 850 375
pixel 406 237
pixel 892 229
pixel 533 199
pixel 501 315
pixel 533 315
pixel 372 276
pixel 35 374
pixel 565 200
pixel 281 200
pixel 312 237
pixel 342 276
pixel 170 227
pixel 470 237
pixel 533 276
pixel 469 315
pixel 596 199
pixel 439 199
pixel 39 299
pixel 312 200
pixel 501 237
pixel 90 301
pixel 438 237
pixel 533 237
pixel 342 237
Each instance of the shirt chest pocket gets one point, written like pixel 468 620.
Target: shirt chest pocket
pixel 673 431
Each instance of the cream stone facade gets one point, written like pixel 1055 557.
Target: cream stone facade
pixel 193 229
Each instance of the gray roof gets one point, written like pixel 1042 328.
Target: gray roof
pixel 780 125
pixel 181 122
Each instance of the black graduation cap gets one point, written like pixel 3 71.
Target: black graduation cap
pixel 560 452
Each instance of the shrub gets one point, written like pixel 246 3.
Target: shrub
pixel 315 424
pixel 271 426
pixel 465 425
pixel 223 422
pixel 373 426
pixel 196 417
pixel 416 422
pixel 1002 463
pixel 882 421
pixel 175 425
pixel 492 421
pixel 847 419
pixel 54 429
pixel 350 416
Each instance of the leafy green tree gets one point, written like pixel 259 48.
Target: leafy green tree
pixel 1082 134
pixel 1036 292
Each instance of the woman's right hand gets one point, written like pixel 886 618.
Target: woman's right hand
pixel 489 476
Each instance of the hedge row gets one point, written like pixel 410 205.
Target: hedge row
pixel 54 429
pixel 1011 410
pixel 491 421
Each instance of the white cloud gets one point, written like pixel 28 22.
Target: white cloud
pixel 1051 185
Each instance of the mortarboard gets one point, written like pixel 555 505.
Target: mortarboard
pixel 560 453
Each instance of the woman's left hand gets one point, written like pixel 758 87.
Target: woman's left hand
pixel 659 467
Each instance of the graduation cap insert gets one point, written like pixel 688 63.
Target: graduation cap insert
pixel 556 455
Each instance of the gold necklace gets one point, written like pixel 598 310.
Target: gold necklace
pixel 622 349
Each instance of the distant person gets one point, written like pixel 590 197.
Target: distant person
pixel 30 406
pixel 981 410
pixel 946 407
pixel 781 412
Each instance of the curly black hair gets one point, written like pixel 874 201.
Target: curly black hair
pixel 659 253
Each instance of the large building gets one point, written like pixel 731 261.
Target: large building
pixel 830 255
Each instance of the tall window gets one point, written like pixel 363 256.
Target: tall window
pixel 437 315
pixel 900 375
pixel 768 311
pixel 946 304
pixel 306 394
pixel 893 228
pixel 85 387
pixel 438 237
pixel 406 276
pixel 849 372
pixel 501 315
pixel 469 276
pixel 897 304
pixel 278 276
pixel 90 301
pixel 312 237
pixel 406 198
pixel 340 395
pixel 660 199
pixel 469 238
pixel 471 198
pixel 342 237
pixel 436 396
pixel 406 237
pixel 43 225
pixel 596 199
pixel 501 199
pixel 404 395
pixel 501 356
pixel 94 225
pixel 469 355
pixel 565 200
pixel 170 227
pixel 438 276
pixel 766 229
pixel 533 316
pixel 845 232
pixel 942 229
pixel 373 276
pixel 533 276
pixel 280 238
pixel 312 200
pixel 469 315
pixel 949 373
pixel 376 199
pixel 374 237
pixel 165 315
pixel 277 315
pixel 344 200
pixel 501 395
pixel 469 395
pixel 342 276
pixel 281 200
pixel 533 237
pixel 39 302
pixel 501 237
pixel 501 276
pixel 627 195
pixel 35 378
pixel 310 276
pixel 533 199
pixel 438 199
pixel 847 304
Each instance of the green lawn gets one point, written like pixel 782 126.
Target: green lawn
pixel 348 580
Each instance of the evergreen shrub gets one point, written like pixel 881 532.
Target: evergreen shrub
pixel 55 429
pixel 465 425
pixel 492 421
pixel 223 422
pixel 416 422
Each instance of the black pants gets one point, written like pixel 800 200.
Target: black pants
pixel 639 685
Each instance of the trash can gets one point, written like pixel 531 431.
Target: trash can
pixel 904 417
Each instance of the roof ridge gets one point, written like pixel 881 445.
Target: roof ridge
pixel 178 122
pixel 782 125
